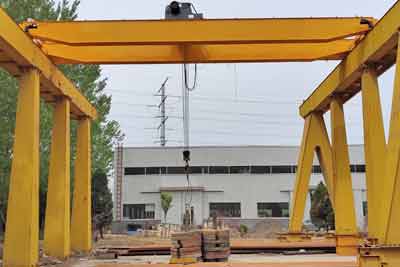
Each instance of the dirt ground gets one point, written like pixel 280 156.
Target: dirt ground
pixel 252 260
pixel 126 240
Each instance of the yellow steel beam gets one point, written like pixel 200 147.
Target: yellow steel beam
pixel 206 31
pixel 377 47
pixel 390 192
pixel 156 54
pixel 315 139
pixel 21 245
pixel 345 216
pixel 19 47
pixel 57 220
pixel 81 219
pixel 374 148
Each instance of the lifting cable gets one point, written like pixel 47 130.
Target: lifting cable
pixel 186 89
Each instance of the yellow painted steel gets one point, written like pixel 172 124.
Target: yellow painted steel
pixel 81 224
pixel 376 47
pixel 57 220
pixel 21 245
pixel 345 217
pixel 386 250
pixel 391 189
pixel 161 54
pixel 205 31
pixel 25 53
pixel 374 148
pixel 315 139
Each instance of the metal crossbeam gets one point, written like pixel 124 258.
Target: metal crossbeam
pixel 377 48
pixel 160 54
pixel 19 52
pixel 207 31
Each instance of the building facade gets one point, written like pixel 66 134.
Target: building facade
pixel 243 184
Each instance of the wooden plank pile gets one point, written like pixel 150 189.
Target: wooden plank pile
pixel 216 245
pixel 186 247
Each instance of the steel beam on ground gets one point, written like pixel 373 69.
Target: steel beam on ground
pixel 205 31
pixel 377 47
pixel 23 52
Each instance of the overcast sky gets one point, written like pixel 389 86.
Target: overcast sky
pixel 233 104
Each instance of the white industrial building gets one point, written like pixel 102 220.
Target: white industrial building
pixel 243 184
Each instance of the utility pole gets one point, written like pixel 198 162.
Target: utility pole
pixel 163 116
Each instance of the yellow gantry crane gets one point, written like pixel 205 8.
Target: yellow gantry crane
pixel 367 48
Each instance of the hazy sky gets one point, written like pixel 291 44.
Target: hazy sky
pixel 233 104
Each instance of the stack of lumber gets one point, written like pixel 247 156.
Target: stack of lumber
pixel 216 245
pixel 186 247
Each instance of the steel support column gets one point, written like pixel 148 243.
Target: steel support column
pixel 21 245
pixel 391 190
pixel 81 225
pixel 374 148
pixel 57 221
pixel 386 250
pixel 315 138
pixel 345 217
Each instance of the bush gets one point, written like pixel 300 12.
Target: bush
pixel 243 229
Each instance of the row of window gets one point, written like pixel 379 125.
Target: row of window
pixel 255 169
pixel 230 209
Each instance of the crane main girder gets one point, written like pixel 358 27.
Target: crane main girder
pixel 199 41
pixel 204 31
pixel 161 54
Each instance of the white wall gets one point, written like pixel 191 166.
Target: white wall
pixel 245 188
pixel 248 189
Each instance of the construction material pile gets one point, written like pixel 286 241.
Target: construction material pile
pixel 186 247
pixel 216 245
pixel 194 246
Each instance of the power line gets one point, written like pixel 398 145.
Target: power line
pixel 257 100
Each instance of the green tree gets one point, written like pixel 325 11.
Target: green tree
pixel 105 132
pixel 102 204
pixel 166 204
pixel 321 211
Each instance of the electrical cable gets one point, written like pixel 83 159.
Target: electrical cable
pixel 186 77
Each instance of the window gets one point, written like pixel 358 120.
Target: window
pixel 176 170
pixel 282 169
pixel 152 170
pixel 225 209
pixel 279 209
pixel 357 168
pixel 260 169
pixel 134 171
pixel 365 208
pixel 316 169
pixel 219 169
pixel 139 211
pixel 239 169
pixel 198 169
